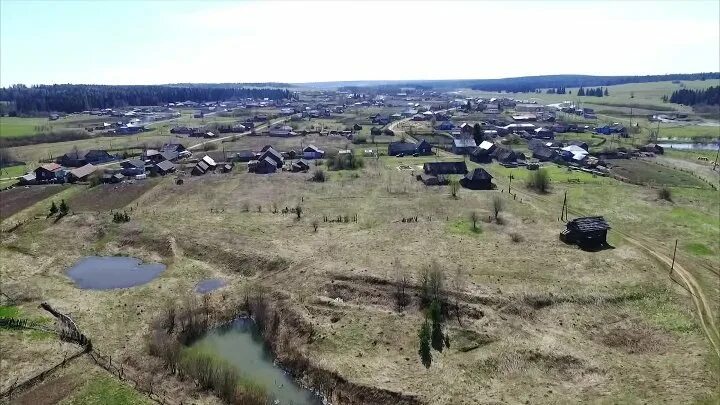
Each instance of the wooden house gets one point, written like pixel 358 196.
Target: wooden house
pixel 49 172
pixel 81 173
pixel 478 179
pixel 463 146
pixel 313 152
pixel 164 167
pixel 438 168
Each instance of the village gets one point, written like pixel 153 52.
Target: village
pixel 325 212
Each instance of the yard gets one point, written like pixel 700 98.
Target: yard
pixel 648 173
pixel 18 198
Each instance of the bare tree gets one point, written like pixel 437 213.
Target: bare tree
pixel 454 187
pixel 402 299
pixel 315 224
pixel 497 206
pixel 458 286
pixel 474 218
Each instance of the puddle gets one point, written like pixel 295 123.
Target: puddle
pixel 208 285
pixel 241 345
pixel 690 146
pixel 109 272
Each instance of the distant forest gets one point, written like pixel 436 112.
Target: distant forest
pixel 710 96
pixel 71 98
pixel 530 84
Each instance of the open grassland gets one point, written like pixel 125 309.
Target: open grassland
pixel 646 172
pixel 541 321
pixel 11 127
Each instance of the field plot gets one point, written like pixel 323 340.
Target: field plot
pixel 328 143
pixel 19 198
pixel 105 197
pixel 644 172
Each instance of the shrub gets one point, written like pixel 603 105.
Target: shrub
pixel 64 208
pixel 424 351
pixel 436 335
pixel 210 146
pixel 539 180
pixel 359 139
pixel 665 194
pixel 348 161
pixel 318 176
pixel 454 187
pixel 516 237
pixel 497 206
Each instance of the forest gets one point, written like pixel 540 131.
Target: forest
pixel 69 98
pixel 709 96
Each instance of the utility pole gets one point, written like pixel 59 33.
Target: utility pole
pixel 672 266
pixel 511 177
pixel 563 214
pixel 716 157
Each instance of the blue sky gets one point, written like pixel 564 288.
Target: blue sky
pixel 147 42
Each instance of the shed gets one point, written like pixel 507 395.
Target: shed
pixel 244 156
pixel 586 232
pixel 301 166
pixel 463 146
pixel 81 173
pixel 265 165
pixel 437 168
pixel 164 167
pixel 313 152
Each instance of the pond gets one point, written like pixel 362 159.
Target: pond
pixel 109 272
pixel 690 146
pixel 240 344
pixel 208 285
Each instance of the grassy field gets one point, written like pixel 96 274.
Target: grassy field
pixel 643 172
pixel 538 315
pixel 18 127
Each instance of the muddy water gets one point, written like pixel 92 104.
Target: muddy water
pixel 208 285
pixel 110 272
pixel 241 345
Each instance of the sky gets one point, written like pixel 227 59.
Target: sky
pixel 158 42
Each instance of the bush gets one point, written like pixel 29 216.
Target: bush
pixel 665 194
pixel 359 139
pixel 516 237
pixel 210 146
pixel 348 161
pixel 539 180
pixel 318 176
pixel 424 350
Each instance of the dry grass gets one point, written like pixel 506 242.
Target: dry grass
pixel 528 306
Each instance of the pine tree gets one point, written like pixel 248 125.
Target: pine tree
pixel 581 92
pixel 424 351
pixel 477 133
pixel 437 338
pixel 606 92
pixel 53 209
pixel 64 209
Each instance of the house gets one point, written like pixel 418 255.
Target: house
pixel 129 129
pixel 227 167
pixel 466 128
pixel 506 155
pixel 164 167
pixel 281 131
pixel 27 179
pixel 446 126
pixel 653 148
pixel 437 168
pixel 478 179
pixel 80 158
pixel 379 120
pixel 272 154
pixel 406 148
pixel 581 144
pixel 81 173
pixel 133 167
pixel 544 133
pixel 169 155
pixel 174 147
pixel 245 156
pixel 301 166
pixel 586 232
pixel 264 165
pixel 313 152
pixel 544 154
pixel 200 168
pixel 463 146
pixel 152 155
pixel 573 153
pixel 483 153
pixel 49 172
pixel 418 117
pixel 112 178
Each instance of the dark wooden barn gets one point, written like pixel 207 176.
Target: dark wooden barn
pixel 478 179
pixel 586 232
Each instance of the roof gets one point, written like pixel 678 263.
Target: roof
pixel 574 149
pixel 445 167
pixel 486 145
pixel 51 167
pixel 208 160
pixel 588 224
pixel 165 165
pixel 245 153
pixel 135 163
pixel 478 174
pixel 312 148
pixel 401 147
pixel 464 143
pixel 169 155
pixel 83 171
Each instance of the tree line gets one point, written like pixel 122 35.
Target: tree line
pixel 71 98
pixel 709 96
pixel 597 92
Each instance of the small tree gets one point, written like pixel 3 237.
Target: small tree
pixel 454 187
pixel 401 284
pixel 437 337
pixel 53 209
pixel 298 211
pixel 665 194
pixel 64 209
pixel 539 180
pixel 424 351
pixel 497 206
pixel 315 225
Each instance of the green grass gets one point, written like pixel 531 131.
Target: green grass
pixel 660 309
pixel 13 171
pixel 698 249
pixel 15 127
pixel 648 173
pixel 464 227
pixel 9 311
pixel 107 391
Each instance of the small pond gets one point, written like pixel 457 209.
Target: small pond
pixel 109 272
pixel 689 146
pixel 208 285
pixel 241 345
